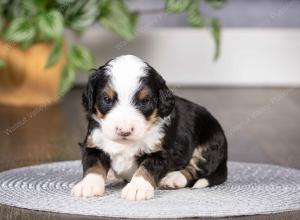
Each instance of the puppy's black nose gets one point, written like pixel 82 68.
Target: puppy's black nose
pixel 124 132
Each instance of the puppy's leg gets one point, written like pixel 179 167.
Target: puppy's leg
pixel 95 167
pixel 144 180
pixel 203 170
pixel 141 186
pixel 215 178
pixel 173 180
pixel 188 175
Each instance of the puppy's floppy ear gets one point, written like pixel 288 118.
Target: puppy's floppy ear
pixel 89 94
pixel 166 100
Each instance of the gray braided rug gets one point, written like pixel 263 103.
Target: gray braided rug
pixel 250 189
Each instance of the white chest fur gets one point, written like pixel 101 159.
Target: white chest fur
pixel 123 156
pixel 124 165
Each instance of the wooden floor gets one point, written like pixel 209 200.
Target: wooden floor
pixel 262 126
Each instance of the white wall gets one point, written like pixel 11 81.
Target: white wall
pixel 184 56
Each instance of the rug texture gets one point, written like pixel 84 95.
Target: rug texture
pixel 250 189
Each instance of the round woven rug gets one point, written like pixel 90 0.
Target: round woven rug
pixel 250 189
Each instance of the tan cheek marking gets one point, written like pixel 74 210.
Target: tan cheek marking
pixel 143 93
pixel 142 172
pixel 99 115
pixel 98 168
pixel 152 118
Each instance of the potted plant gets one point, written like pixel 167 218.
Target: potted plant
pixel 38 65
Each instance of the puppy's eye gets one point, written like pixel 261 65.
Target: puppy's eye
pixel 145 101
pixel 107 100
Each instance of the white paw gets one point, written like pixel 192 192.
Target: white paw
pixel 201 183
pixel 173 180
pixel 91 185
pixel 138 189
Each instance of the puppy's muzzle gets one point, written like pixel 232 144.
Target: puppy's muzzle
pixel 124 132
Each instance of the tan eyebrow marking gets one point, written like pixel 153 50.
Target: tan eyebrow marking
pixel 109 91
pixel 143 93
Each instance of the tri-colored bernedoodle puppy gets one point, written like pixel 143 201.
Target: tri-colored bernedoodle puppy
pixel 148 136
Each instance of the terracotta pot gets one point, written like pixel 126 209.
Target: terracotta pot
pixel 25 81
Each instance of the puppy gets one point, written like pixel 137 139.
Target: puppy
pixel 146 135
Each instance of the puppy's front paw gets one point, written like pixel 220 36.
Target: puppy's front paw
pixel 138 189
pixel 91 185
pixel 173 180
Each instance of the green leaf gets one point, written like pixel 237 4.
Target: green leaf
pixel 65 3
pixel 41 4
pixel 72 9
pixel 1 24
pixel 84 16
pixel 26 44
pixel 14 9
pixel 2 64
pixel 115 16
pixel 217 4
pixel 66 80
pixel 80 58
pixel 191 7
pixel 216 33
pixel 55 53
pixel 174 6
pixel 30 7
pixel 51 25
pixel 20 30
pixel 194 17
pixel 18 8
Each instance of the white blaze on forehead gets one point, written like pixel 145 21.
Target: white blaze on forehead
pixel 125 72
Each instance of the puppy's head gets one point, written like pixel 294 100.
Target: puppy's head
pixel 127 97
